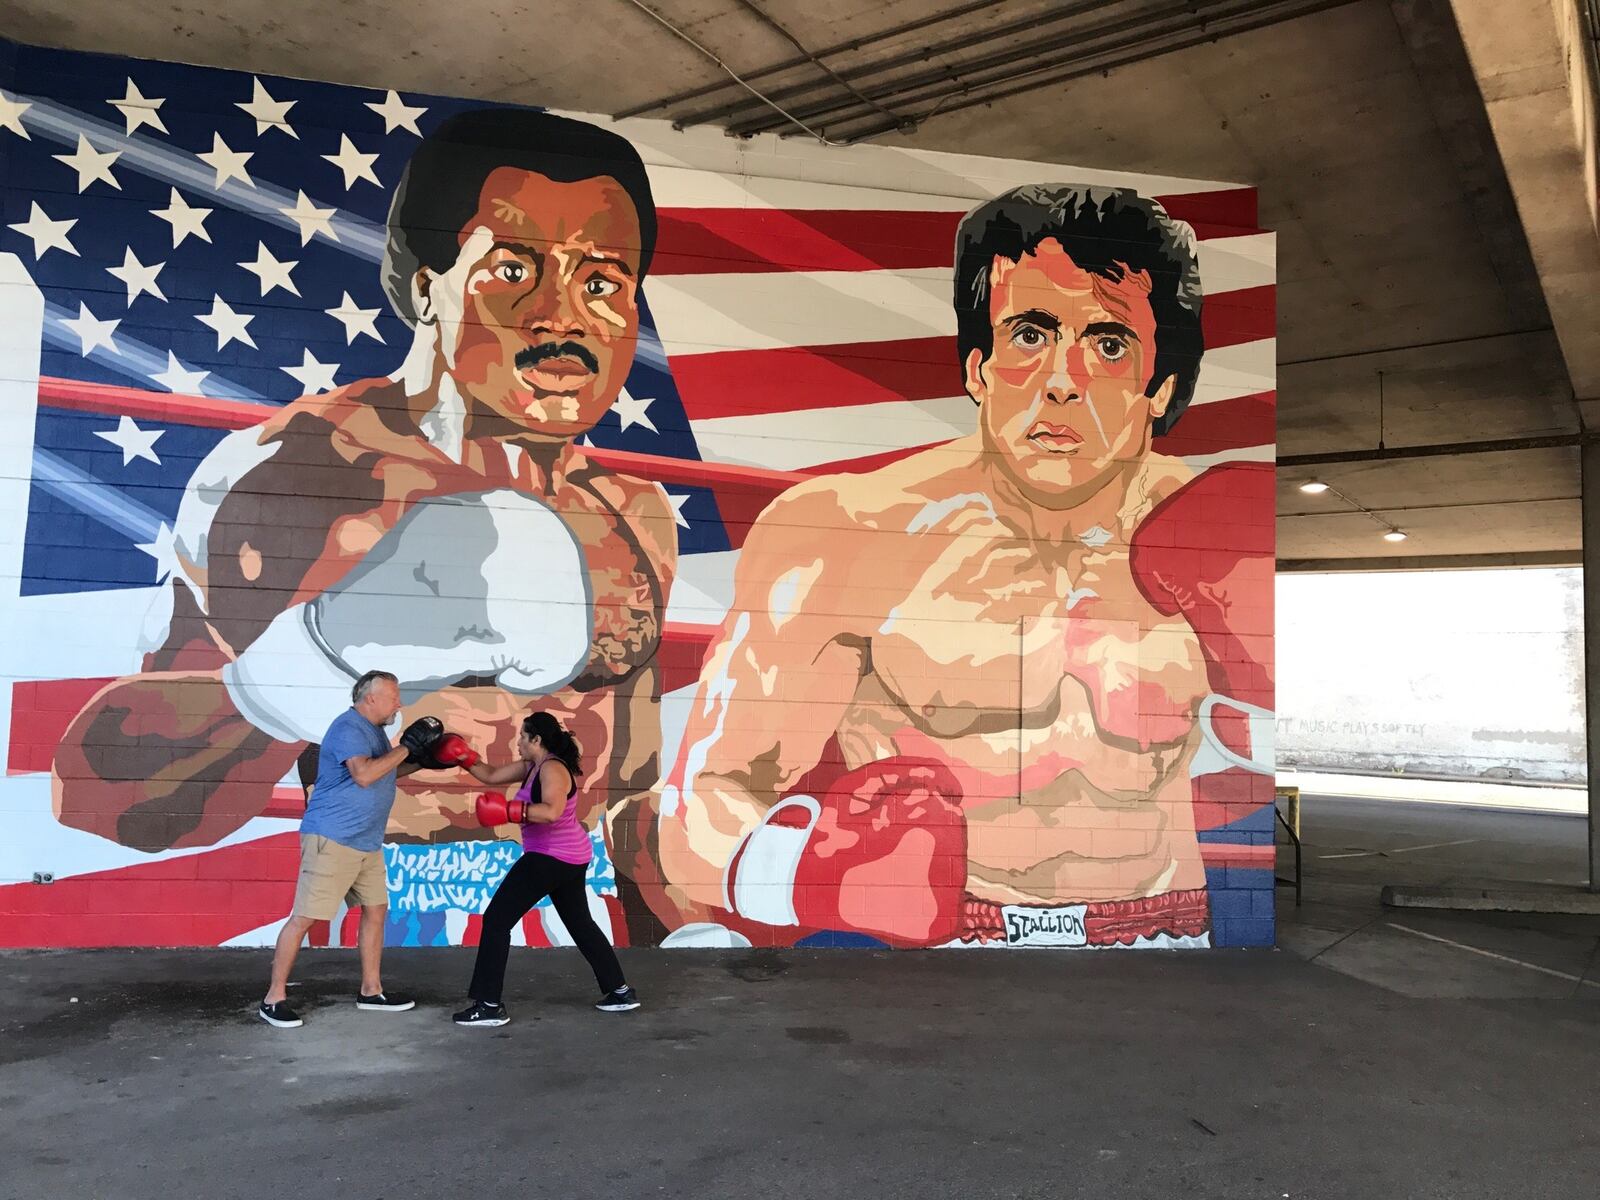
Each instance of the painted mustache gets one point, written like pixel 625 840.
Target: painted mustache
pixel 532 356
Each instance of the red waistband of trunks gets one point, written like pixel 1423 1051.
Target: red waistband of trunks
pixel 1106 923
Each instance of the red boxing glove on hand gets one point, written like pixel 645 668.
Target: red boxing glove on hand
pixel 883 852
pixel 452 750
pixel 1208 552
pixel 492 808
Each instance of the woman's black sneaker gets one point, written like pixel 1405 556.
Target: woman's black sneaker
pixel 624 999
pixel 280 1015
pixel 479 1013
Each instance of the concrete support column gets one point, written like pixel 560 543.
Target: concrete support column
pixel 1591 644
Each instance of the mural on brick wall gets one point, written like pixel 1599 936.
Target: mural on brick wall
pixel 899 550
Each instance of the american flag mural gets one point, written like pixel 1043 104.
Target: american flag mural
pixel 185 251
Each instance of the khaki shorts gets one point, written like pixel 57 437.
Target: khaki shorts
pixel 331 872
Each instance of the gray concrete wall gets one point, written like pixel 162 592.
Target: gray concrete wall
pixel 1452 674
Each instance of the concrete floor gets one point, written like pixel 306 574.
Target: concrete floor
pixel 1354 847
pixel 1364 1060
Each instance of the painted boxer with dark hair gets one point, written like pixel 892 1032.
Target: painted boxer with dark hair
pixel 962 698
pixel 442 524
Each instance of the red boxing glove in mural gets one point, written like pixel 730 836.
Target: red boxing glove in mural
pixel 1223 588
pixel 882 852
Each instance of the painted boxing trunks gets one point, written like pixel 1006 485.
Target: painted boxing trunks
pixel 1177 919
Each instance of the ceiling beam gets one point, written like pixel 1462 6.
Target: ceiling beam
pixel 1531 68
pixel 1436 450
pixel 1432 562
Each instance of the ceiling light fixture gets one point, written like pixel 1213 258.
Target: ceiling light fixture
pixel 1389 531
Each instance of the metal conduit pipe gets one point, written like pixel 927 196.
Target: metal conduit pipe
pixel 731 73
pixel 864 74
pixel 1175 17
pixel 958 102
pixel 1554 441
pixel 853 44
pixel 1150 31
pixel 760 14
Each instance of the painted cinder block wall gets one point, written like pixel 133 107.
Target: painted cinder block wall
pixel 878 624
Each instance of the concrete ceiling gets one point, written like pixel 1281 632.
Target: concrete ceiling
pixel 1424 234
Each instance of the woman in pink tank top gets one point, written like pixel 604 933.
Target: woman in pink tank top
pixel 555 862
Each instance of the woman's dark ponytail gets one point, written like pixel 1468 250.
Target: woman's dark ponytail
pixel 556 739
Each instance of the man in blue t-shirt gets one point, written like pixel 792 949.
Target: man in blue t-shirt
pixel 341 838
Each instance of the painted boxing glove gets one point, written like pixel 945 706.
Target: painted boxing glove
pixel 882 852
pixel 1208 552
pixel 492 808
pixel 484 585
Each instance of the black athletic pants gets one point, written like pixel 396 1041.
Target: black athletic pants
pixel 531 878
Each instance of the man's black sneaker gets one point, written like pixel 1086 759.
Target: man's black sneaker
pixel 280 1015
pixel 479 1013
pixel 624 999
pixel 384 1002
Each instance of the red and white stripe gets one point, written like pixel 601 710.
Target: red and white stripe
pixel 820 339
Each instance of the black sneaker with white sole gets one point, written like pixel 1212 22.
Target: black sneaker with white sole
pixel 383 1002
pixel 479 1013
pixel 279 1015
pixel 624 999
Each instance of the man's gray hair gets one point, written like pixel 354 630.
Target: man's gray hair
pixel 365 684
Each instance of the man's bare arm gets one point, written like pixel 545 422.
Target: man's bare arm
pixel 787 646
